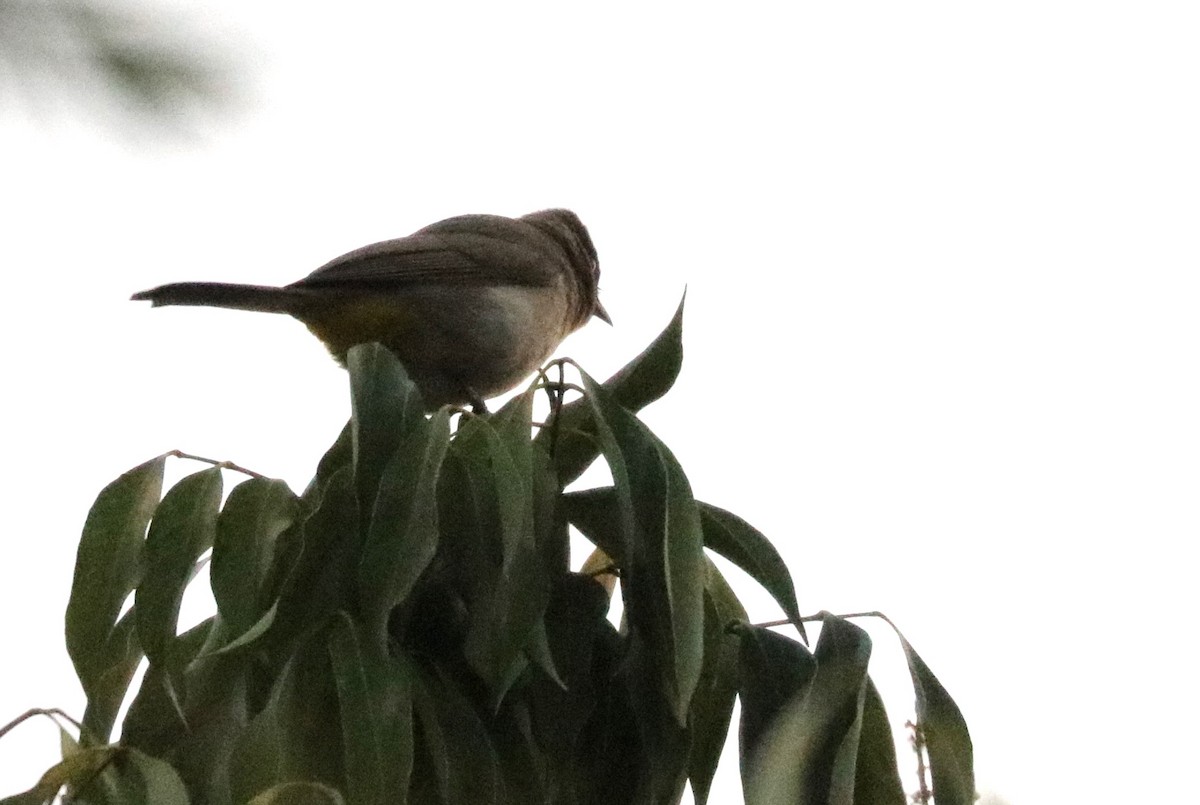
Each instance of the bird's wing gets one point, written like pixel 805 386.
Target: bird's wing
pixel 467 250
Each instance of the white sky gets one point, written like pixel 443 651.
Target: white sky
pixel 941 329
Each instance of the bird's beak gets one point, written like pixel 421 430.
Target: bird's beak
pixel 599 312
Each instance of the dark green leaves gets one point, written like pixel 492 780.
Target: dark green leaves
pixel 745 546
pixel 814 729
pixel 106 571
pixel 712 703
pixel 183 528
pixel 409 630
pixel 809 749
pixel 510 583
pixel 375 703
pixel 944 732
pixel 876 778
pixel 255 515
pixel 662 545
pixel 642 381
pixel 397 460
pixel 386 408
pixel 402 536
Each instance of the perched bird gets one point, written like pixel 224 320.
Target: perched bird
pixel 470 305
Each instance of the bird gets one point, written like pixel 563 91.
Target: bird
pixel 471 305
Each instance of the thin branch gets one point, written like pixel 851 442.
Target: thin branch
pixel 50 713
pixel 225 465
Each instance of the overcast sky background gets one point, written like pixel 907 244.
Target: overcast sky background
pixel 941 332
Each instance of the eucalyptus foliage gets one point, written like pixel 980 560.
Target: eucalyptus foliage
pixel 409 629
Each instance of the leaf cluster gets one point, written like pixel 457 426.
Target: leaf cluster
pixel 409 628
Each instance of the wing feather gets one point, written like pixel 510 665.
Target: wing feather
pixel 466 250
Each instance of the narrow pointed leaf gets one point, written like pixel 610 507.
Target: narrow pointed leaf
pixel 255 514
pixel 712 703
pixel 745 546
pixel 322 566
pixel 809 753
pixel 74 770
pixel 877 778
pixel 152 781
pixel 509 596
pixel 469 764
pixel 944 730
pixel 155 720
pixel 107 567
pixel 340 454
pixel 106 691
pixel 306 716
pixel 561 707
pixel 598 515
pixel 642 381
pixel 386 407
pixel 376 717
pixel 403 534
pixel 663 547
pixel 182 529
pixel 773 670
pixel 133 777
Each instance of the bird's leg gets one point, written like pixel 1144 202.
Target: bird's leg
pixel 478 406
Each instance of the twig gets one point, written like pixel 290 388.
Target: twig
pixel 225 465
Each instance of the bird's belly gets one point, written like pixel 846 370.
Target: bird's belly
pixel 458 344
pixel 513 331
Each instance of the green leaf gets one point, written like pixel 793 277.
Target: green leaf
pixel 217 708
pixel 772 670
pixel 522 767
pixel 561 704
pixel 255 514
pixel 376 716
pixel 663 740
pixel 182 529
pixel 551 531
pixel 877 779
pixel 75 770
pixel 609 762
pixel 107 567
pixel 306 716
pixel 745 546
pixel 386 408
pixel 299 794
pixel 106 691
pixel 133 778
pixel 944 730
pixel 152 781
pixel 402 536
pixel 712 703
pixel 251 635
pixel 340 454
pixel 256 761
pixel 808 754
pixel 323 565
pixel 508 596
pixel 460 755
pixel 514 425
pixel 663 567
pixel 642 381
pixel 156 720
pixel 598 516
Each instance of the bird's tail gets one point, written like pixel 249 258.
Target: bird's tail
pixel 262 298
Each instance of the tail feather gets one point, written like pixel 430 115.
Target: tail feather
pixel 262 298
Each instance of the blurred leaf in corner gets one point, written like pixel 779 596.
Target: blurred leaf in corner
pixel 135 66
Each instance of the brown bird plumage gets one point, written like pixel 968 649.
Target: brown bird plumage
pixel 470 305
